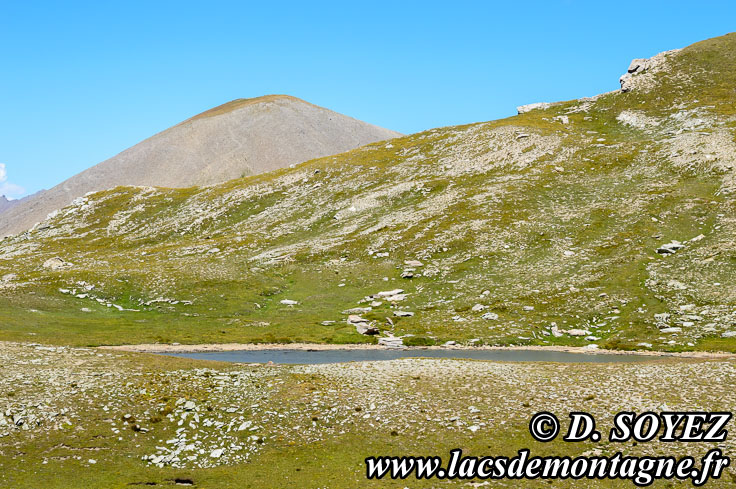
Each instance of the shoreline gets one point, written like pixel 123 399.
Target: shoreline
pixel 224 347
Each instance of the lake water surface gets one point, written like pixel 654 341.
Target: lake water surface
pixel 286 356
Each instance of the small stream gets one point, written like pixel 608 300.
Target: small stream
pixel 286 356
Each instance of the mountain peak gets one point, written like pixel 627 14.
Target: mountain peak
pixel 239 103
pixel 239 138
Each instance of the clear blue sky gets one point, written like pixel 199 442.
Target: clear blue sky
pixel 82 81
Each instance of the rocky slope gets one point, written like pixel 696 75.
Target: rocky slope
pixel 80 417
pixel 6 204
pixel 605 222
pixel 242 137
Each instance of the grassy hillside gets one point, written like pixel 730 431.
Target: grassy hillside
pixel 542 228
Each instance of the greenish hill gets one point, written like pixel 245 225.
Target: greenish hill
pixel 543 228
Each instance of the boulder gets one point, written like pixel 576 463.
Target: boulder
pixel 56 263
pixel 670 248
pixel 389 293
pixel 366 328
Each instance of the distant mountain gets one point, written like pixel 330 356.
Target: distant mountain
pixel 6 204
pixel 240 138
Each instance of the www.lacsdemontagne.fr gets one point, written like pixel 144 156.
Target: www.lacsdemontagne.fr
pixel 642 471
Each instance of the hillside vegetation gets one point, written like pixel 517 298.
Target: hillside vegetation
pixel 543 228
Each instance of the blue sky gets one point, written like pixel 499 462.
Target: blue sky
pixel 82 81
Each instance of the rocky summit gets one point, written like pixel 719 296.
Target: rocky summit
pixel 240 138
pixel 605 222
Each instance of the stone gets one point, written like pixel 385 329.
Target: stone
pixel 189 406
pixel 389 293
pixel 56 263
pixel 670 330
pixel 478 308
pixel 355 319
pixel 358 310
pixel 535 106
pixel 366 329
pixel 728 334
pixel 289 302
pixel 217 453
pixel 638 65
pixel 403 314
pixel 391 342
pixel 413 263
pixel 645 345
pixel 578 332
pixel 670 248
pixel 407 274
pixel 490 316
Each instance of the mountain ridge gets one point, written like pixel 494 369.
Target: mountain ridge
pixel 241 137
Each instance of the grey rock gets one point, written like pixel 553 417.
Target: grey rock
pixel 538 105
pixel 56 263
pixel 366 329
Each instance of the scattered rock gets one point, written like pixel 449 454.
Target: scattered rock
pixel 289 302
pixel 56 263
pixel 522 109
pixel 389 293
pixel 490 316
pixel 403 314
pixel 670 248
pixel 366 329
pixel 358 310
pixel 671 330
pixel 391 341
